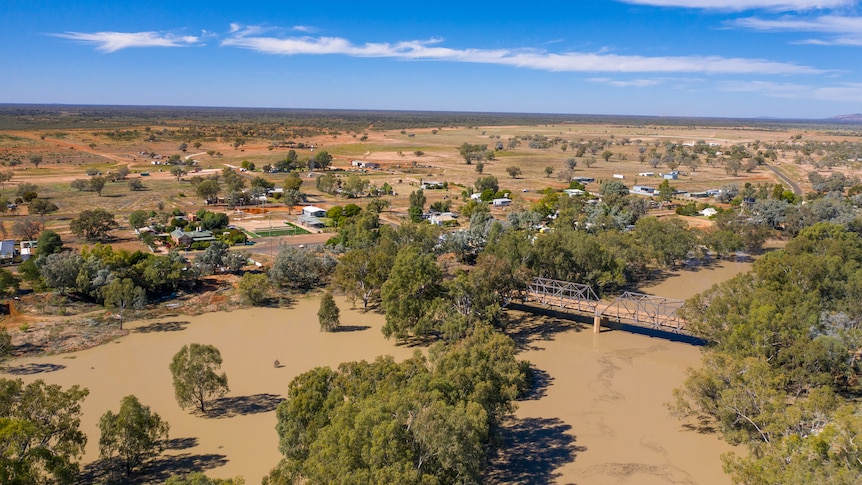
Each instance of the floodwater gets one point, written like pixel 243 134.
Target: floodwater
pixel 597 417
pixel 599 414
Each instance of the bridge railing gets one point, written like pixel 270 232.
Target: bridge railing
pixel 563 294
pixel 641 309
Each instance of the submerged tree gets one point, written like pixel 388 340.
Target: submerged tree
pixel 328 315
pixel 196 381
pixel 132 437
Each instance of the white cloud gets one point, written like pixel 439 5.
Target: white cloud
pixel 633 83
pixel 845 30
pixel 740 5
pixel 525 58
pixel 114 41
pixel 825 23
pixel 844 92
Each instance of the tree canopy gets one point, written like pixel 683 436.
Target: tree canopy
pixel 195 375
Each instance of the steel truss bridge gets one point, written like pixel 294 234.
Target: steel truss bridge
pixel 640 309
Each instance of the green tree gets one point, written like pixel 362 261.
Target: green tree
pixel 8 281
pixel 60 270
pixel 97 184
pixel 487 182
pixel 321 160
pixel 665 191
pixel 208 189
pixel 328 315
pixel 549 171
pixel 36 160
pixel 196 381
pixel 93 224
pixel 254 288
pixel 131 437
pixel 39 430
pixel 136 185
pixel 300 268
pixel 513 171
pixel 79 184
pixel 327 183
pixel 291 198
pixel 139 218
pixel 178 172
pixel 409 292
pixel 360 273
pixel 292 181
pixel 607 154
pixel 198 478
pixel 42 207
pixel 122 294
pixel 417 205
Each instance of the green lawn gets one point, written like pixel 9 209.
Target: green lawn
pixel 290 230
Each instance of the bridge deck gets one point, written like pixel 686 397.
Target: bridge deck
pixel 640 309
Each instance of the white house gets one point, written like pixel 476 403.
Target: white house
pixel 312 211
pixel 574 192
pixel 438 219
pixel 477 196
pixel 708 212
pixel 501 202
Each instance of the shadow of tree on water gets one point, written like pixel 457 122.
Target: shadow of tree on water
pixel 227 407
pixel 541 381
pixel 539 324
pixel 172 326
pixel 157 471
pixel 181 443
pixel 30 369
pixel 531 451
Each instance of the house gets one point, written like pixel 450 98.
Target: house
pixel 7 250
pixel 643 190
pixel 647 174
pixel 477 196
pixel 708 212
pixel 27 249
pixel 431 185
pixel 183 238
pixel 574 192
pixel 366 165
pixel 441 218
pixel 310 221
pixel 671 175
pixel 312 211
pixel 501 202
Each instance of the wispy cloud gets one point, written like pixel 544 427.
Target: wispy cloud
pixel 636 83
pixel 524 58
pixel 844 92
pixel 114 41
pixel 845 30
pixel 741 5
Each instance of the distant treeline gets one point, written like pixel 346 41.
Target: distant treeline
pixel 25 116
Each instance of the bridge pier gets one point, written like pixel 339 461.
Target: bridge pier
pixel 598 321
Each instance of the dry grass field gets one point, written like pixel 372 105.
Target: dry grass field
pixel 406 157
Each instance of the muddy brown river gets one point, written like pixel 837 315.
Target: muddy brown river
pixel 598 415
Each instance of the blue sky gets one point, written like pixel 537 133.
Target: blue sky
pixel 735 58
